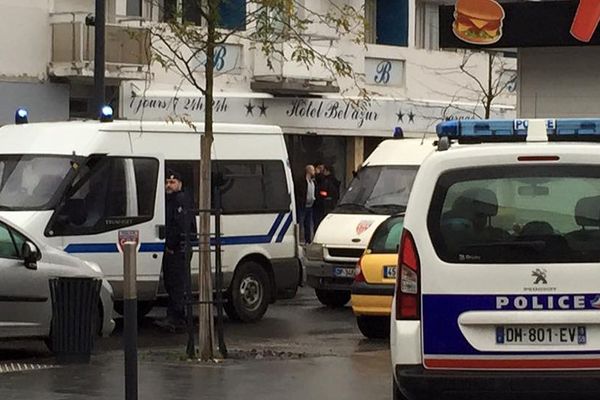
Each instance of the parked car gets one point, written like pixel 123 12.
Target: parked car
pixel 373 287
pixel 26 265
pixel 497 291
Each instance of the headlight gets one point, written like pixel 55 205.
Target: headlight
pixel 314 252
pixel 94 267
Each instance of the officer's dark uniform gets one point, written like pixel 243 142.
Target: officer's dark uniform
pixel 174 260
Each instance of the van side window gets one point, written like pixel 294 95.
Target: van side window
pixel 108 193
pixel 246 186
pixel 253 187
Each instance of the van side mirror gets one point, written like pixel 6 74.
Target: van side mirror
pixel 30 254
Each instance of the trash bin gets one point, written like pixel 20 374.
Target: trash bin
pixel 74 315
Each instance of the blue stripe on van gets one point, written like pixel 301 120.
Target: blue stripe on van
pixel 158 247
pixel 285 228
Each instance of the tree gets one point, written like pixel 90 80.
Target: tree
pixel 496 81
pixel 180 45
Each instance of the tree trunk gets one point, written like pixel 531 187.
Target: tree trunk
pixel 206 343
pixel 489 95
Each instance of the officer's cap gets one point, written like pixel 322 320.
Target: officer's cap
pixel 171 174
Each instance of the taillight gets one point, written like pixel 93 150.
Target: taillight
pixel 358 274
pixel 407 281
pixel 323 193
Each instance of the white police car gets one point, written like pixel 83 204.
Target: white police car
pixel 499 282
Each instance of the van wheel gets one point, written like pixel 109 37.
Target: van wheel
pixel 396 393
pixel 374 327
pixel 333 298
pixel 249 293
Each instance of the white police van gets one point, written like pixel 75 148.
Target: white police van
pixel 498 290
pixel 79 183
pixel 379 189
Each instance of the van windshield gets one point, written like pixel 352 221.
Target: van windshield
pixel 31 182
pixel 380 189
pixel 517 214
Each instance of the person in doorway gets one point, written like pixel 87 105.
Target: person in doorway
pixel 174 263
pixel 305 200
pixel 328 193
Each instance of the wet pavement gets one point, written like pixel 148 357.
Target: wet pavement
pixel 300 350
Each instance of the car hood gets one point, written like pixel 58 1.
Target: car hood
pixel 65 265
pixel 348 230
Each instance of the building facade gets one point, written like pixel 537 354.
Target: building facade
pixel 413 84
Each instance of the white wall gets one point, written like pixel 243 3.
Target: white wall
pixel 559 82
pixel 24 39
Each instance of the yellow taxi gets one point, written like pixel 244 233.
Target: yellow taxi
pixel 375 277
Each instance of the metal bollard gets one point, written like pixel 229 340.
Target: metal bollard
pixel 130 317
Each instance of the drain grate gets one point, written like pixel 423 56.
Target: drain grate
pixel 6 368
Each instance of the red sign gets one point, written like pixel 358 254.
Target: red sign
pixel 128 236
pixel 586 20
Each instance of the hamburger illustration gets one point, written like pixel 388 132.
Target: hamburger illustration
pixel 478 21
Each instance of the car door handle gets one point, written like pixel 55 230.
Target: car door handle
pixel 161 231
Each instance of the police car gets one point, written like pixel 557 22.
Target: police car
pixel 499 283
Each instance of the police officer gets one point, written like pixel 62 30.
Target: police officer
pixel 174 261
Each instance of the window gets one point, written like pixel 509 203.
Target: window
pixel 134 8
pixel 232 13
pixel 11 242
pixel 427 25
pixel 517 215
pixel 253 187
pixel 379 189
pixel 246 186
pixel 32 182
pixel 386 22
pixel 387 236
pixel 108 193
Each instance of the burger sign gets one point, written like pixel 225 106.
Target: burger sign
pixel 478 21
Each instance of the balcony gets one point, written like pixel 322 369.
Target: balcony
pixel 286 77
pixel 127 49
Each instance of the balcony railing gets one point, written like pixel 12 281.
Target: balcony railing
pixel 288 77
pixel 127 48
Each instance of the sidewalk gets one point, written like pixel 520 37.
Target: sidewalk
pixel 162 375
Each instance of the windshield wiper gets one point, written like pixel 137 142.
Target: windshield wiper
pixel 399 207
pixel 358 206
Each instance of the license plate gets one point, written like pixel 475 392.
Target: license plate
pixel 342 272
pixel 541 335
pixel 389 272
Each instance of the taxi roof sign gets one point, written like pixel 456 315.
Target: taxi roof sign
pixel 518 130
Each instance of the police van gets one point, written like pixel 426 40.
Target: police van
pixel 498 289
pixel 79 183
pixel 379 189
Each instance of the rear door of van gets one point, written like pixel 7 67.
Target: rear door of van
pixel 511 281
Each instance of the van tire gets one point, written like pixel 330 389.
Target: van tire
pixel 333 298
pixel 396 393
pixel 249 293
pixel 374 327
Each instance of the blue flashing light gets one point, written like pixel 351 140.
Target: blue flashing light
pixel 398 133
pixel 477 131
pixel 106 114
pixel 21 116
